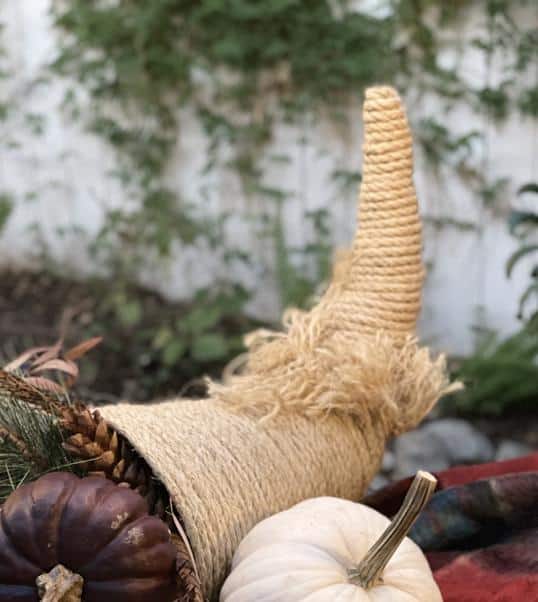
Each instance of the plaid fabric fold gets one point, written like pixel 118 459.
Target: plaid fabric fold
pixel 479 531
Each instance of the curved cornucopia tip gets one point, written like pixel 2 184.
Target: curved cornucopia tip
pixel 357 348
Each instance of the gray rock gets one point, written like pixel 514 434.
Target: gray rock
pixel 509 449
pixel 439 445
pixel 389 462
pixel 378 482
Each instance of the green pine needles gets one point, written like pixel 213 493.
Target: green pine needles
pixel 30 444
pixel 31 433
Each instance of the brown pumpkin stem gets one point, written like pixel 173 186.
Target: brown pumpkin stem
pixel 368 572
pixel 60 585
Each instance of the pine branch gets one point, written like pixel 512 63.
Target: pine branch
pixel 30 444
pixel 42 430
pixel 14 386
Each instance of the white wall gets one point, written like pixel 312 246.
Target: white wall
pixel 69 170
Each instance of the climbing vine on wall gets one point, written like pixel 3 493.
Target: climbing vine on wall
pixel 17 123
pixel 246 66
pixel 6 200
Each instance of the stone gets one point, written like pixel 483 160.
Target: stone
pixel 378 482
pixel 509 449
pixel 389 462
pixel 440 444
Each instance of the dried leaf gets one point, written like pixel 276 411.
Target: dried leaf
pixel 23 358
pixel 50 353
pixel 45 384
pixel 58 364
pixel 82 348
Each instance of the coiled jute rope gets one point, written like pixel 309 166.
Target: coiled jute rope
pixel 313 406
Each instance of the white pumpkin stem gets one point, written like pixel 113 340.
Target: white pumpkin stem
pixel 371 567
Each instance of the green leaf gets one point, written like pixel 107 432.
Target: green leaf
pixel 518 255
pixel 531 290
pixel 530 187
pixel 210 347
pixel 231 303
pixel 528 102
pixel 162 337
pixel 129 313
pixel 173 351
pixel 522 218
pixel 200 319
pixel 500 376
pixel 6 206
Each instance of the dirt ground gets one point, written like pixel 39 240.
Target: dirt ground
pixel 36 308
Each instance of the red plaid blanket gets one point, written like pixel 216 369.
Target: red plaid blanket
pixel 479 531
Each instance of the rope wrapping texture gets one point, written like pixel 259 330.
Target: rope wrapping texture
pixel 312 408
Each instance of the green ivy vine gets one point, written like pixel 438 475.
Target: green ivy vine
pixel 259 62
pixel 247 65
pixel 6 198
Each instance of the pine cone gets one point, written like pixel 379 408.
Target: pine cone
pixel 108 454
pixel 91 440
pixel 186 573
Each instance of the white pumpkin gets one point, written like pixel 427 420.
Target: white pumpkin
pixel 311 552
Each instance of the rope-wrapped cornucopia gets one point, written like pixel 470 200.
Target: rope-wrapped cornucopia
pixel 342 379
pixel 311 409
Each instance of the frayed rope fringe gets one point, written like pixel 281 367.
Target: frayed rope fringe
pixel 346 375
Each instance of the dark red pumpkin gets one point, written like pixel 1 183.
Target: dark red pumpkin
pixel 94 528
